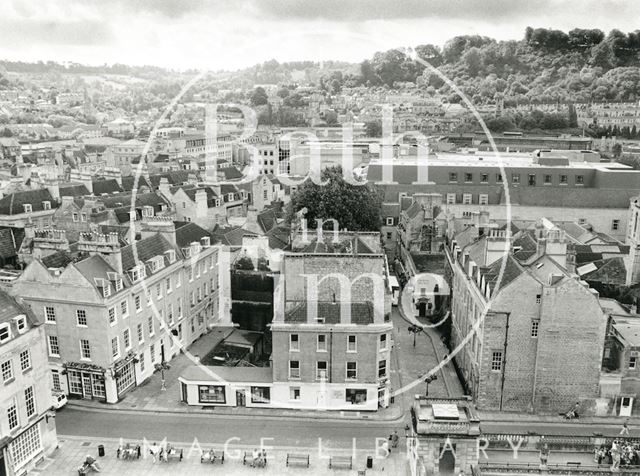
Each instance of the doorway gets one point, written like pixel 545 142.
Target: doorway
pixel 241 398
pixel 86 386
pixel 162 351
pixel 422 309
pixel 447 462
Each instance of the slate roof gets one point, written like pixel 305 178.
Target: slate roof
pixel 511 271
pixel 59 259
pixel 230 236
pixel 177 177
pixel 188 232
pixel 391 210
pixel 10 308
pixel 278 237
pixel 10 241
pixel 230 173
pixel 94 267
pixel 267 219
pixel 414 210
pixel 73 190
pixel 145 249
pixel 13 203
pixel 609 271
pixel 127 183
pixel 527 243
pixel 106 186
pixel 361 312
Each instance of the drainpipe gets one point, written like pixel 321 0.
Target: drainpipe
pixel 504 358
pixel 535 365
pixel 330 355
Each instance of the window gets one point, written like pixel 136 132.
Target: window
pixel 451 198
pixel 115 347
pixel 168 283
pixel 294 369
pixel 352 343
pixel 30 401
pixel 389 221
pixel 321 370
pixel 126 337
pixel 25 360
pixel 547 179
pixel 468 177
pixel 532 180
pixel 383 341
pixel 106 290
pixel 515 178
pixel 54 349
pixel 484 178
pixel 212 394
pixel 294 393
pixel 260 394
pixel 50 314
pixel 355 395
pixel 496 361
pixel 498 178
pixel 25 446
pixel 352 371
pixel 579 180
pixel 179 308
pixel 322 343
pixel 81 317
pixel 141 359
pixel 535 326
pixel 152 353
pixel 563 180
pixel 382 368
pixel 12 416
pixel 118 284
pixel 7 371
pixel 27 208
pixel 466 199
pixel 56 380
pixel 159 291
pixel 124 308
pixel 137 303
pixel 178 280
pixel 5 332
pixel 75 217
pixel 483 199
pixel 190 273
pixel 538 298
pixel 632 362
pixel 294 343
pixel 615 224
pixel 453 177
pixel 21 324
pixel 140 334
pixel 85 349
pixel 112 315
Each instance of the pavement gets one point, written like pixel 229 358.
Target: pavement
pixel 72 451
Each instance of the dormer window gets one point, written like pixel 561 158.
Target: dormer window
pixel 147 211
pixel 5 333
pixel 76 217
pixel 46 205
pixel 118 284
pixel 171 255
pixel 157 263
pixel 27 208
pixel 230 197
pixel 106 289
pixel 21 324
pixel 132 215
pixel 217 202
pixel 206 241
pixel 137 273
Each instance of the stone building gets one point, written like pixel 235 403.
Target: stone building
pixel 532 334
pixel 113 312
pixel 27 426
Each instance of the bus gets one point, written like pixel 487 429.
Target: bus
pixel 394 289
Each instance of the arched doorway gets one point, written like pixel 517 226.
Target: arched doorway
pixel 447 461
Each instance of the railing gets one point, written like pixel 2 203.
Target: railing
pixel 534 468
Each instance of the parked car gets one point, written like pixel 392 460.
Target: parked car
pixel 59 400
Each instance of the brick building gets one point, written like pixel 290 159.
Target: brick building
pixel 113 312
pixel 27 429
pixel 532 334
pixel 326 356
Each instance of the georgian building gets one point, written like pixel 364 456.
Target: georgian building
pixel 27 426
pixel 113 312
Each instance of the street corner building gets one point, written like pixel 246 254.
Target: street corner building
pixel 112 312
pixel 331 334
pixel 533 333
pixel 27 421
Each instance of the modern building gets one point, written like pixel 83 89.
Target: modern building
pixel 27 424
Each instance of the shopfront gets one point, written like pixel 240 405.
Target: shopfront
pixel 85 381
pixel 125 374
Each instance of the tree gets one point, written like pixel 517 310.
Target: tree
pixel 244 263
pixel 354 207
pixel 259 97
pixel 616 150
pixel 373 129
pixel 6 132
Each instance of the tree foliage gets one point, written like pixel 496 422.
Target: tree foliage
pixel 354 207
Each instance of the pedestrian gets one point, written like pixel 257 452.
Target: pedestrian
pixel 625 429
pixel 92 463
pixel 394 439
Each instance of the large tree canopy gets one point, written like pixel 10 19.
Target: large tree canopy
pixel 354 207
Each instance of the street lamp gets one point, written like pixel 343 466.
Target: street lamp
pixel 428 380
pixel 162 366
pixel 415 330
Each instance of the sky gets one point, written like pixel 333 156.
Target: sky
pixel 230 34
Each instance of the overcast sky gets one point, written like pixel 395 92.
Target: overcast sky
pixel 217 34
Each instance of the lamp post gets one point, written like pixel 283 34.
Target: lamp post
pixel 162 366
pixel 415 330
pixel 428 380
